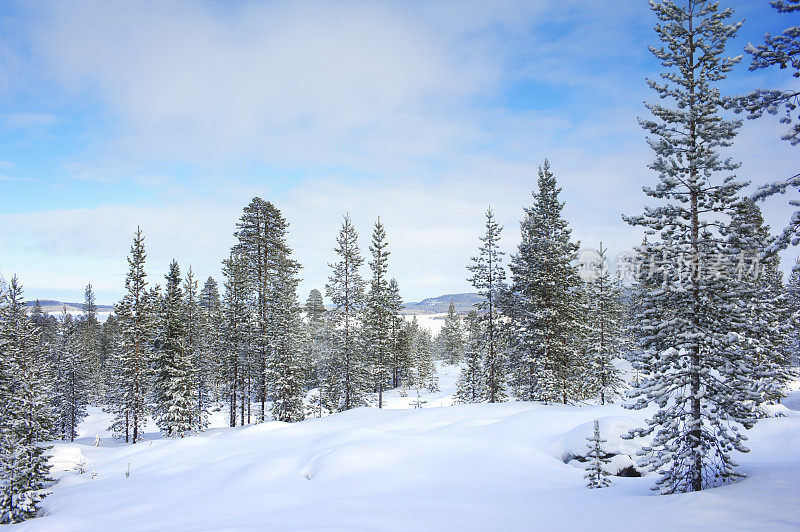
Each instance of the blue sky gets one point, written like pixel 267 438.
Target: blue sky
pixel 173 115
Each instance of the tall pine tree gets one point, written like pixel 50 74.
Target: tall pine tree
pixel 346 289
pixel 25 414
pixel 488 278
pixel 545 294
pixel 693 369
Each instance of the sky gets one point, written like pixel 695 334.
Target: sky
pixel 173 115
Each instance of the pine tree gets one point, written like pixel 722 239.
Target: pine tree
pixel 793 307
pixel 604 331
pixel 89 331
pixel 346 289
pixel 172 388
pixel 284 370
pixel 596 473
pixel 422 374
pixel 209 370
pixel 545 294
pixel 72 378
pixel 471 385
pixel 692 366
pixel 451 337
pixel 135 314
pixel 379 312
pixel 316 350
pixel 261 232
pixel 200 364
pixel 236 333
pixel 400 360
pixel 488 277
pixel 25 415
pixel 757 279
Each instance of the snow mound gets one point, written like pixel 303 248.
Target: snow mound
pixel 65 457
pixel 572 445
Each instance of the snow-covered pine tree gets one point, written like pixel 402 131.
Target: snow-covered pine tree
pixel 25 413
pixel 71 391
pixel 488 278
pixel 236 333
pixel 379 313
pixel 346 289
pixel 793 306
pixel 471 385
pixel 400 361
pixel 692 366
pixel 89 332
pixel 135 314
pixel 173 389
pixel 200 364
pixel 547 313
pixel 451 338
pixel 758 281
pixel 316 349
pixel 604 331
pixel 422 374
pixel 596 473
pixel 210 376
pixel 284 370
pixel 261 232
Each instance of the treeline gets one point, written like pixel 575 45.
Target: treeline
pixel 176 354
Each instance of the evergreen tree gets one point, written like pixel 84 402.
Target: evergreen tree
pixel 346 290
pixel 471 385
pixel 284 372
pixel 400 361
pixel 135 314
pixel 236 332
pixel 25 414
pixel 488 277
pixel 379 312
pixel 209 370
pixel 692 365
pixel 451 337
pixel 316 350
pixel 793 307
pixel 422 374
pixel 172 387
pixel 72 378
pixel 199 362
pixel 758 281
pixel 89 331
pixel 596 473
pixel 261 232
pixel 604 331
pixel 545 295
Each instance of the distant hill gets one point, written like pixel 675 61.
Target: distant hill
pixel 433 305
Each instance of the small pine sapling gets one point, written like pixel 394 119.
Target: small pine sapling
pixel 597 474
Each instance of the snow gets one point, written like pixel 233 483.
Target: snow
pixel 433 322
pixel 573 443
pixel 465 467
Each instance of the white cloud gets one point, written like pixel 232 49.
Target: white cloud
pixel 395 110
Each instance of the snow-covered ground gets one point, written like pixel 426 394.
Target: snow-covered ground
pixel 469 467
pixel 432 322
